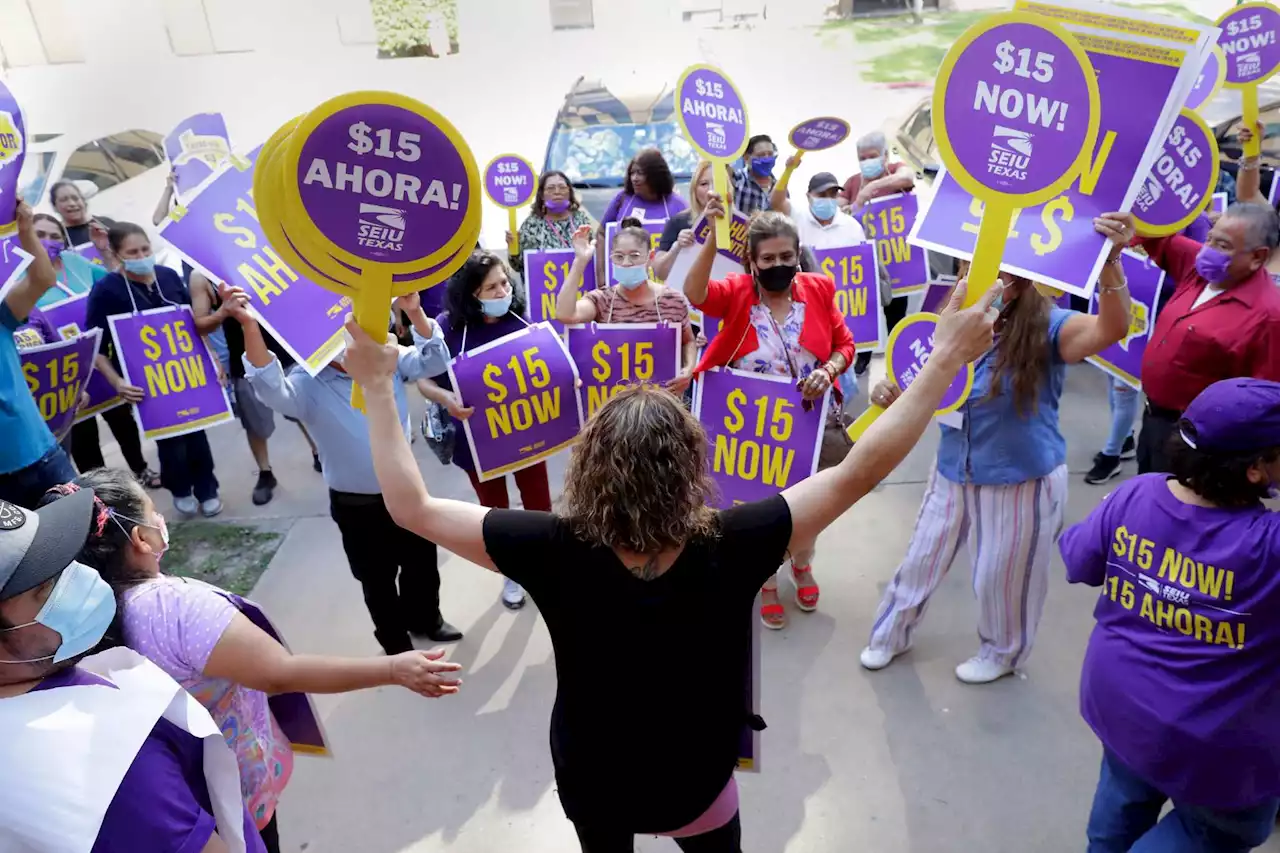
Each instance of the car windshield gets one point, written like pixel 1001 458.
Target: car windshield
pixel 597 156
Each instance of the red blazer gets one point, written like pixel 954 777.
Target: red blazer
pixel 823 332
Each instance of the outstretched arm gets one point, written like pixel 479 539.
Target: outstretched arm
pixel 570 308
pixel 1249 175
pixel 961 337
pixel 454 525
pixel 1084 335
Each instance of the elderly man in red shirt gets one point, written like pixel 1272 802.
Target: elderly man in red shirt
pixel 1222 321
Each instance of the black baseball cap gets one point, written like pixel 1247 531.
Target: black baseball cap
pixel 822 182
pixel 1234 416
pixel 36 546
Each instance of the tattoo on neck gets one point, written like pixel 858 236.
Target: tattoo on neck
pixel 648 571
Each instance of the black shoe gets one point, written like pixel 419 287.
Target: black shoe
pixel 265 490
pixel 1129 450
pixel 315 463
pixel 442 633
pixel 1104 468
pixel 861 363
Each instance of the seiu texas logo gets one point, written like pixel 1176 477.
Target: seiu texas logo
pixel 11 142
pixel 210 150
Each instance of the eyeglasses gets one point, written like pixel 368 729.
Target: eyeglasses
pixel 630 259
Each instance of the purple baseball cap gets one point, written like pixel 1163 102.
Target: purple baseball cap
pixel 1234 416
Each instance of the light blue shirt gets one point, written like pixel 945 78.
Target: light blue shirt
pixel 998 445
pixel 24 436
pixel 323 404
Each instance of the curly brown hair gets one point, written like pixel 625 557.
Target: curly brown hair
pixel 637 478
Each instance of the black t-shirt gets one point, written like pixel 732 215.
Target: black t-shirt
pixel 79 234
pixel 637 745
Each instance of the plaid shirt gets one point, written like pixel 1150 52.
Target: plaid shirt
pixel 748 196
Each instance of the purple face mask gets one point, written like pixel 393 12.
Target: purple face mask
pixel 1212 264
pixel 557 206
pixel 54 248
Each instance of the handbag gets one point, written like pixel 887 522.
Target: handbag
pixel 439 431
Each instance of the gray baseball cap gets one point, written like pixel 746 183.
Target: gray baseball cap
pixel 36 546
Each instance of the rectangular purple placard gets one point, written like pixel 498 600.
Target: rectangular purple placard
pixel 545 272
pixel 68 320
pixel 13 263
pixel 853 269
pixel 218 234
pixel 195 148
pixel 294 712
pixel 888 221
pixel 161 352
pixel 56 374
pixel 1124 360
pixel 523 387
pixel 654 227
pixel 1218 204
pixel 90 253
pixel 1055 243
pixel 760 440
pixel 612 356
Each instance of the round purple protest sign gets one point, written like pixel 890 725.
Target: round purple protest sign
pixel 1182 180
pixel 380 179
pixel 1250 41
pixel 711 113
pixel 819 134
pixel 1016 108
pixel 509 180
pixel 1210 80
pixel 909 347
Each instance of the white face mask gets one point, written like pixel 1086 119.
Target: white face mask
pixel 80 609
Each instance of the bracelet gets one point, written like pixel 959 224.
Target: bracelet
pixel 831 372
pixel 1116 260
pixel 1245 164
pixel 1124 285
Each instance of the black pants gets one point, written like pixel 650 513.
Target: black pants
pixel 186 466
pixel 271 836
pixel 86 448
pixel 893 314
pixel 1153 441
pixel 382 553
pixel 726 839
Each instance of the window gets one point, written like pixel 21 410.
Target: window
pixel 36 32
pixel 115 159
pixel 198 27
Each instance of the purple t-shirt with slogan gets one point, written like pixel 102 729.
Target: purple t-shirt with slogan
pixel 1179 679
pixel 162 804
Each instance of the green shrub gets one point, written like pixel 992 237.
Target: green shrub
pixel 404 26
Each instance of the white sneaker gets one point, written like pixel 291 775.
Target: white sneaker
pixel 187 507
pixel 874 659
pixel 512 594
pixel 211 507
pixel 979 671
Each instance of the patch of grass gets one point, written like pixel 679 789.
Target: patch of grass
pixel 908 65
pixel 230 556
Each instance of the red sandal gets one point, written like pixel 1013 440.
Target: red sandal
pixel 772 616
pixel 806 596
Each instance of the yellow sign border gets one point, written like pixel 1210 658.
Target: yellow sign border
pixel 1148 230
pixel 533 197
pixel 1218 23
pixel 848 131
pixel 956 169
pixel 298 223
pixel 904 324
pixel 746 117
pixel 1222 76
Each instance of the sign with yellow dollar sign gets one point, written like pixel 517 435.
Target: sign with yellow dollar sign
pixel 545 272
pixel 611 356
pixel 57 374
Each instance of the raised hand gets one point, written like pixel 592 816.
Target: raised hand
pixel 964 334
pixel 584 244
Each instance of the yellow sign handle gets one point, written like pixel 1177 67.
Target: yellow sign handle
pixel 721 184
pixel 785 180
pixel 992 233
pixel 864 420
pixel 373 312
pixel 1249 96
pixel 515 233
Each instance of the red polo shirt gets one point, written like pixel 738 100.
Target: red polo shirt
pixel 1234 334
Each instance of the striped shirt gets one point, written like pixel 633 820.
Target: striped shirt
pixel 670 306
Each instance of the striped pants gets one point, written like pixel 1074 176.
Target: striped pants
pixel 1010 531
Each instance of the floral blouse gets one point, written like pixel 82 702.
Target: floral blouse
pixel 771 356
pixel 537 232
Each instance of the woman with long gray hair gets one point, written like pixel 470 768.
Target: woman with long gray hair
pixel 637 569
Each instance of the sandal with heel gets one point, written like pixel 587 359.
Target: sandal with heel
pixel 773 616
pixel 808 594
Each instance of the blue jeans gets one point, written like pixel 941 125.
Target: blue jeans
pixel 1126 819
pixel 186 466
pixel 26 486
pixel 1124 411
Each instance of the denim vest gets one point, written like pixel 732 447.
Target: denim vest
pixel 998 445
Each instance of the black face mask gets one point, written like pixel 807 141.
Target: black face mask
pixel 776 278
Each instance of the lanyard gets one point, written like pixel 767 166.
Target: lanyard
pixel 129 285
pixel 462 348
pixel 657 306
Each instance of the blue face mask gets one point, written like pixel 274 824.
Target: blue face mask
pixel 496 307
pixel 80 609
pixel 141 266
pixel 763 166
pixel 823 208
pixel 631 277
pixel 871 169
